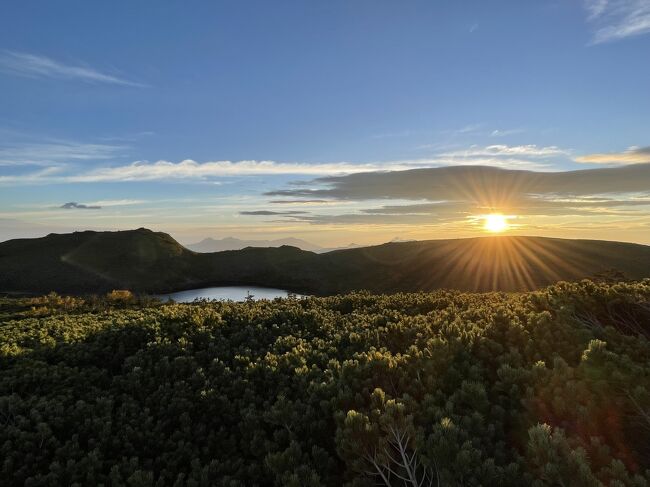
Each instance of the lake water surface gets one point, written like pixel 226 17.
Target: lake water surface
pixel 234 293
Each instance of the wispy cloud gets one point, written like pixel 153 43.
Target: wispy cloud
pixel 529 157
pixel 505 132
pixel 472 128
pixel 271 213
pixel 617 19
pixel 35 66
pixel 111 203
pixel 633 155
pixel 482 130
pixel 595 7
pixel 36 177
pixel 501 150
pixel 300 202
pixel 55 151
pixel 189 169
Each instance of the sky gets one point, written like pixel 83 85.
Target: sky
pixel 333 121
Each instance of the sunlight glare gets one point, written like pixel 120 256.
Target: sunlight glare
pixel 496 223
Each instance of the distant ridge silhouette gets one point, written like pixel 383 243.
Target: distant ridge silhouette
pixel 146 261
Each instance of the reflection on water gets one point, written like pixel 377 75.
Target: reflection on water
pixel 234 293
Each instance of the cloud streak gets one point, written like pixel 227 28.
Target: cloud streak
pixel 618 19
pixel 35 66
pixel 299 202
pixel 528 157
pixel 112 203
pixel 505 132
pixel 58 158
pixel 189 170
pixel 271 213
pixel 633 155
pixel 53 152
pixel 501 150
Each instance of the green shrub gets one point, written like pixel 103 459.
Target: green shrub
pixel 444 388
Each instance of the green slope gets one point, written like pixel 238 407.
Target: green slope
pixel 146 261
pixel 140 260
pixel 484 264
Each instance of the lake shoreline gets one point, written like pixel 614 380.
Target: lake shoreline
pixel 225 293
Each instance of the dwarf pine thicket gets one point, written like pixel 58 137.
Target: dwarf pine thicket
pixel 446 389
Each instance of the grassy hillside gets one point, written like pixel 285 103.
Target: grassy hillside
pixel 93 261
pixel 140 260
pixel 146 261
pixel 483 264
pixel 542 389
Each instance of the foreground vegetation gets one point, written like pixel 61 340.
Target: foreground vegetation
pixel 447 388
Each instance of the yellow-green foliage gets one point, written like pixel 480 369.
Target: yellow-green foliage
pixel 120 296
pixel 444 388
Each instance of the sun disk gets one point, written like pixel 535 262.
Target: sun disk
pixel 496 223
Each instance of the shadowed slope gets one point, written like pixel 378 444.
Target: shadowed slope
pixel 489 263
pixel 146 261
pixel 140 260
pixel 92 261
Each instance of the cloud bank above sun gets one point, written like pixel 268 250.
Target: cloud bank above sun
pixel 484 197
pixel 454 190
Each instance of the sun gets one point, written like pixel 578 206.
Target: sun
pixel 495 223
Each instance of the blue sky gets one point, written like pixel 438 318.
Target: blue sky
pixel 179 116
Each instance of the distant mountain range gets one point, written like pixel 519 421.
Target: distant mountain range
pixel 232 243
pixel 146 261
pixel 11 229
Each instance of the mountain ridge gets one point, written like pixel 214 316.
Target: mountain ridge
pixel 147 261
pixel 210 244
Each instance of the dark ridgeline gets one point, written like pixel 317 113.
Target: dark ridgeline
pixel 146 261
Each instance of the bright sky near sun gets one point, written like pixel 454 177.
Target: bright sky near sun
pixel 198 118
